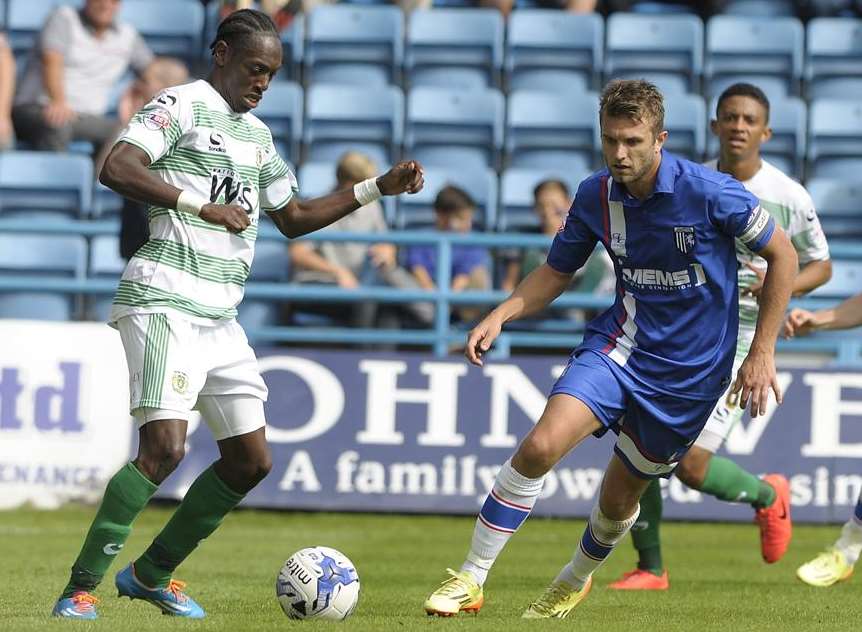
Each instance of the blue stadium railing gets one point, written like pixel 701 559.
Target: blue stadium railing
pixel 844 347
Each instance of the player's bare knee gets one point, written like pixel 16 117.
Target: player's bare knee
pixel 157 461
pixel 693 467
pixel 535 457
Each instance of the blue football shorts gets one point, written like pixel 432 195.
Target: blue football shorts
pixel 654 429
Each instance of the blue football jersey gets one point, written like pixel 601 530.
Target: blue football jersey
pixel 673 324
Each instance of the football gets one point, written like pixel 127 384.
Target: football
pixel 317 583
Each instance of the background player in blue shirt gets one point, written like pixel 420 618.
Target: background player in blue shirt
pixel 651 367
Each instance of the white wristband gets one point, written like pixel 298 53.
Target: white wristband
pixel 191 203
pixel 366 191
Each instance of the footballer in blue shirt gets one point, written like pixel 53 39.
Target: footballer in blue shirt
pixel 652 367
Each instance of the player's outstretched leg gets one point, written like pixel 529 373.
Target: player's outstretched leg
pixel 650 573
pixel 505 509
pixel 245 461
pixel 620 492
pixel 565 422
pixel 836 564
pixel 126 495
pixel 720 477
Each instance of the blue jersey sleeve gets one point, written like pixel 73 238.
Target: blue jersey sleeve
pixel 575 241
pixel 738 213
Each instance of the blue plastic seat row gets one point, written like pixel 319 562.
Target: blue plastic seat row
pixel 476 47
pixel 458 130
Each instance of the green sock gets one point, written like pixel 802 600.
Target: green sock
pixel 727 481
pixel 200 513
pixel 127 493
pixel 645 532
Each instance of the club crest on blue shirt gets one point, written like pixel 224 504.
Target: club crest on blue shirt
pixel 684 238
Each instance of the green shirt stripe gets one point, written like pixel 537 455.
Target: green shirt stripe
pixel 198 264
pixel 141 295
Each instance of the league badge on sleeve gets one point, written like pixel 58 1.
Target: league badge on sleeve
pixel 684 236
pixel 157 119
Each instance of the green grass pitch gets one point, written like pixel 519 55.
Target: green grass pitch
pixel 717 579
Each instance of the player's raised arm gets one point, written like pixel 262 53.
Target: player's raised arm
pixel 757 374
pixel 300 217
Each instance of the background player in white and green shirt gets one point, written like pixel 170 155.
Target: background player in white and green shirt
pixel 207 167
pixel 742 126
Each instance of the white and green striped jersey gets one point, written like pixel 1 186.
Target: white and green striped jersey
pixel 793 209
pixel 196 142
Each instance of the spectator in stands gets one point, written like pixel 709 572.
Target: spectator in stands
pixel 453 210
pixel 163 73
pixel 573 6
pixel 351 264
pixel 80 55
pixel 552 200
pixel 282 12
pixel 7 90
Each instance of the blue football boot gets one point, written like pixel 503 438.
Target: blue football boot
pixel 81 605
pixel 170 600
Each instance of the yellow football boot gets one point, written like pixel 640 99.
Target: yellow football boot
pixel 459 593
pixel 826 569
pixel 557 601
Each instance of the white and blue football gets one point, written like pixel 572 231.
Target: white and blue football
pixel 317 583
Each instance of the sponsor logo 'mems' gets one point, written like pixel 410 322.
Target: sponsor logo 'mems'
pixel 649 278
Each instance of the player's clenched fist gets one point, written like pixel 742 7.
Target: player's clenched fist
pixel 800 322
pixel 405 177
pixel 231 216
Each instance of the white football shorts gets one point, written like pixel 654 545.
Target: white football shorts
pixel 176 366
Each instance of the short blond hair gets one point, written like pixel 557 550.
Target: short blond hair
pixel 353 167
pixel 635 99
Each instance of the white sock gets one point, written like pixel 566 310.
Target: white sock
pixel 505 509
pixel 600 537
pixel 850 542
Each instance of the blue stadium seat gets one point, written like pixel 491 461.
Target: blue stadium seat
pixel 788 119
pixel 417 210
pixel 516 194
pixel 773 87
pixel 548 40
pixel 26 255
pixel 172 29
pixel 271 265
pixel 358 36
pixel 661 8
pixel 668 44
pixel 552 130
pixel 293 46
pixel 318 178
pixel 105 263
pixel 669 85
pixel 339 118
pixel 835 138
pixel 352 75
pixel 685 121
pixel 754 46
pixel 837 204
pixel 846 280
pixel 760 8
pixel 281 110
pixel 833 58
pixel 448 126
pixel 46 181
pixel 106 203
pixel 467 43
